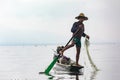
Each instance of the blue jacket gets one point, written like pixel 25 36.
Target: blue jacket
pixel 81 31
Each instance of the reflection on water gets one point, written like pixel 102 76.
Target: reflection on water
pixel 74 77
pixel 66 75
pixel 61 74
pixel 92 76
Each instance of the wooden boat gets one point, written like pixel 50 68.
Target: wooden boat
pixel 69 66
pixel 66 62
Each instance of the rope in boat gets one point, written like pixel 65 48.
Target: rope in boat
pixel 87 43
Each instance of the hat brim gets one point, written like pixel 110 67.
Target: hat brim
pixel 78 17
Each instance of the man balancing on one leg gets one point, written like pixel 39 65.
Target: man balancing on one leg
pixel 78 31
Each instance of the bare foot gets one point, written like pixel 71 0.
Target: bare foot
pixel 79 65
pixel 61 52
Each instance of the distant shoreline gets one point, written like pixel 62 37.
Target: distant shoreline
pixel 47 44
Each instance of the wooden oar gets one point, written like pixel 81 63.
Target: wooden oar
pixel 56 58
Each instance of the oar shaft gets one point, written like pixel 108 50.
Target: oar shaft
pixel 72 37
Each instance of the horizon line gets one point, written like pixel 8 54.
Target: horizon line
pixel 44 44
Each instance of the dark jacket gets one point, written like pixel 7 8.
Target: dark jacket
pixel 78 25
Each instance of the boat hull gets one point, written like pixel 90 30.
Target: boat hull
pixel 71 68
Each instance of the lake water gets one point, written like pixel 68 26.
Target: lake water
pixel 25 62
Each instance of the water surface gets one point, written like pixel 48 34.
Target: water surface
pixel 25 63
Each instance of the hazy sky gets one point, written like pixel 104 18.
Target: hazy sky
pixel 50 21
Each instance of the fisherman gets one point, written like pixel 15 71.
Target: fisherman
pixel 78 32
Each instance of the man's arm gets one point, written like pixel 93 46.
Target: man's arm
pixel 85 35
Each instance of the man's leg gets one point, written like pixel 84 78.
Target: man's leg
pixel 67 47
pixel 77 55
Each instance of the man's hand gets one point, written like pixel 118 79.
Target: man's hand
pixel 87 36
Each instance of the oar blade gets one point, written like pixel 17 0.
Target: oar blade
pixel 51 65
